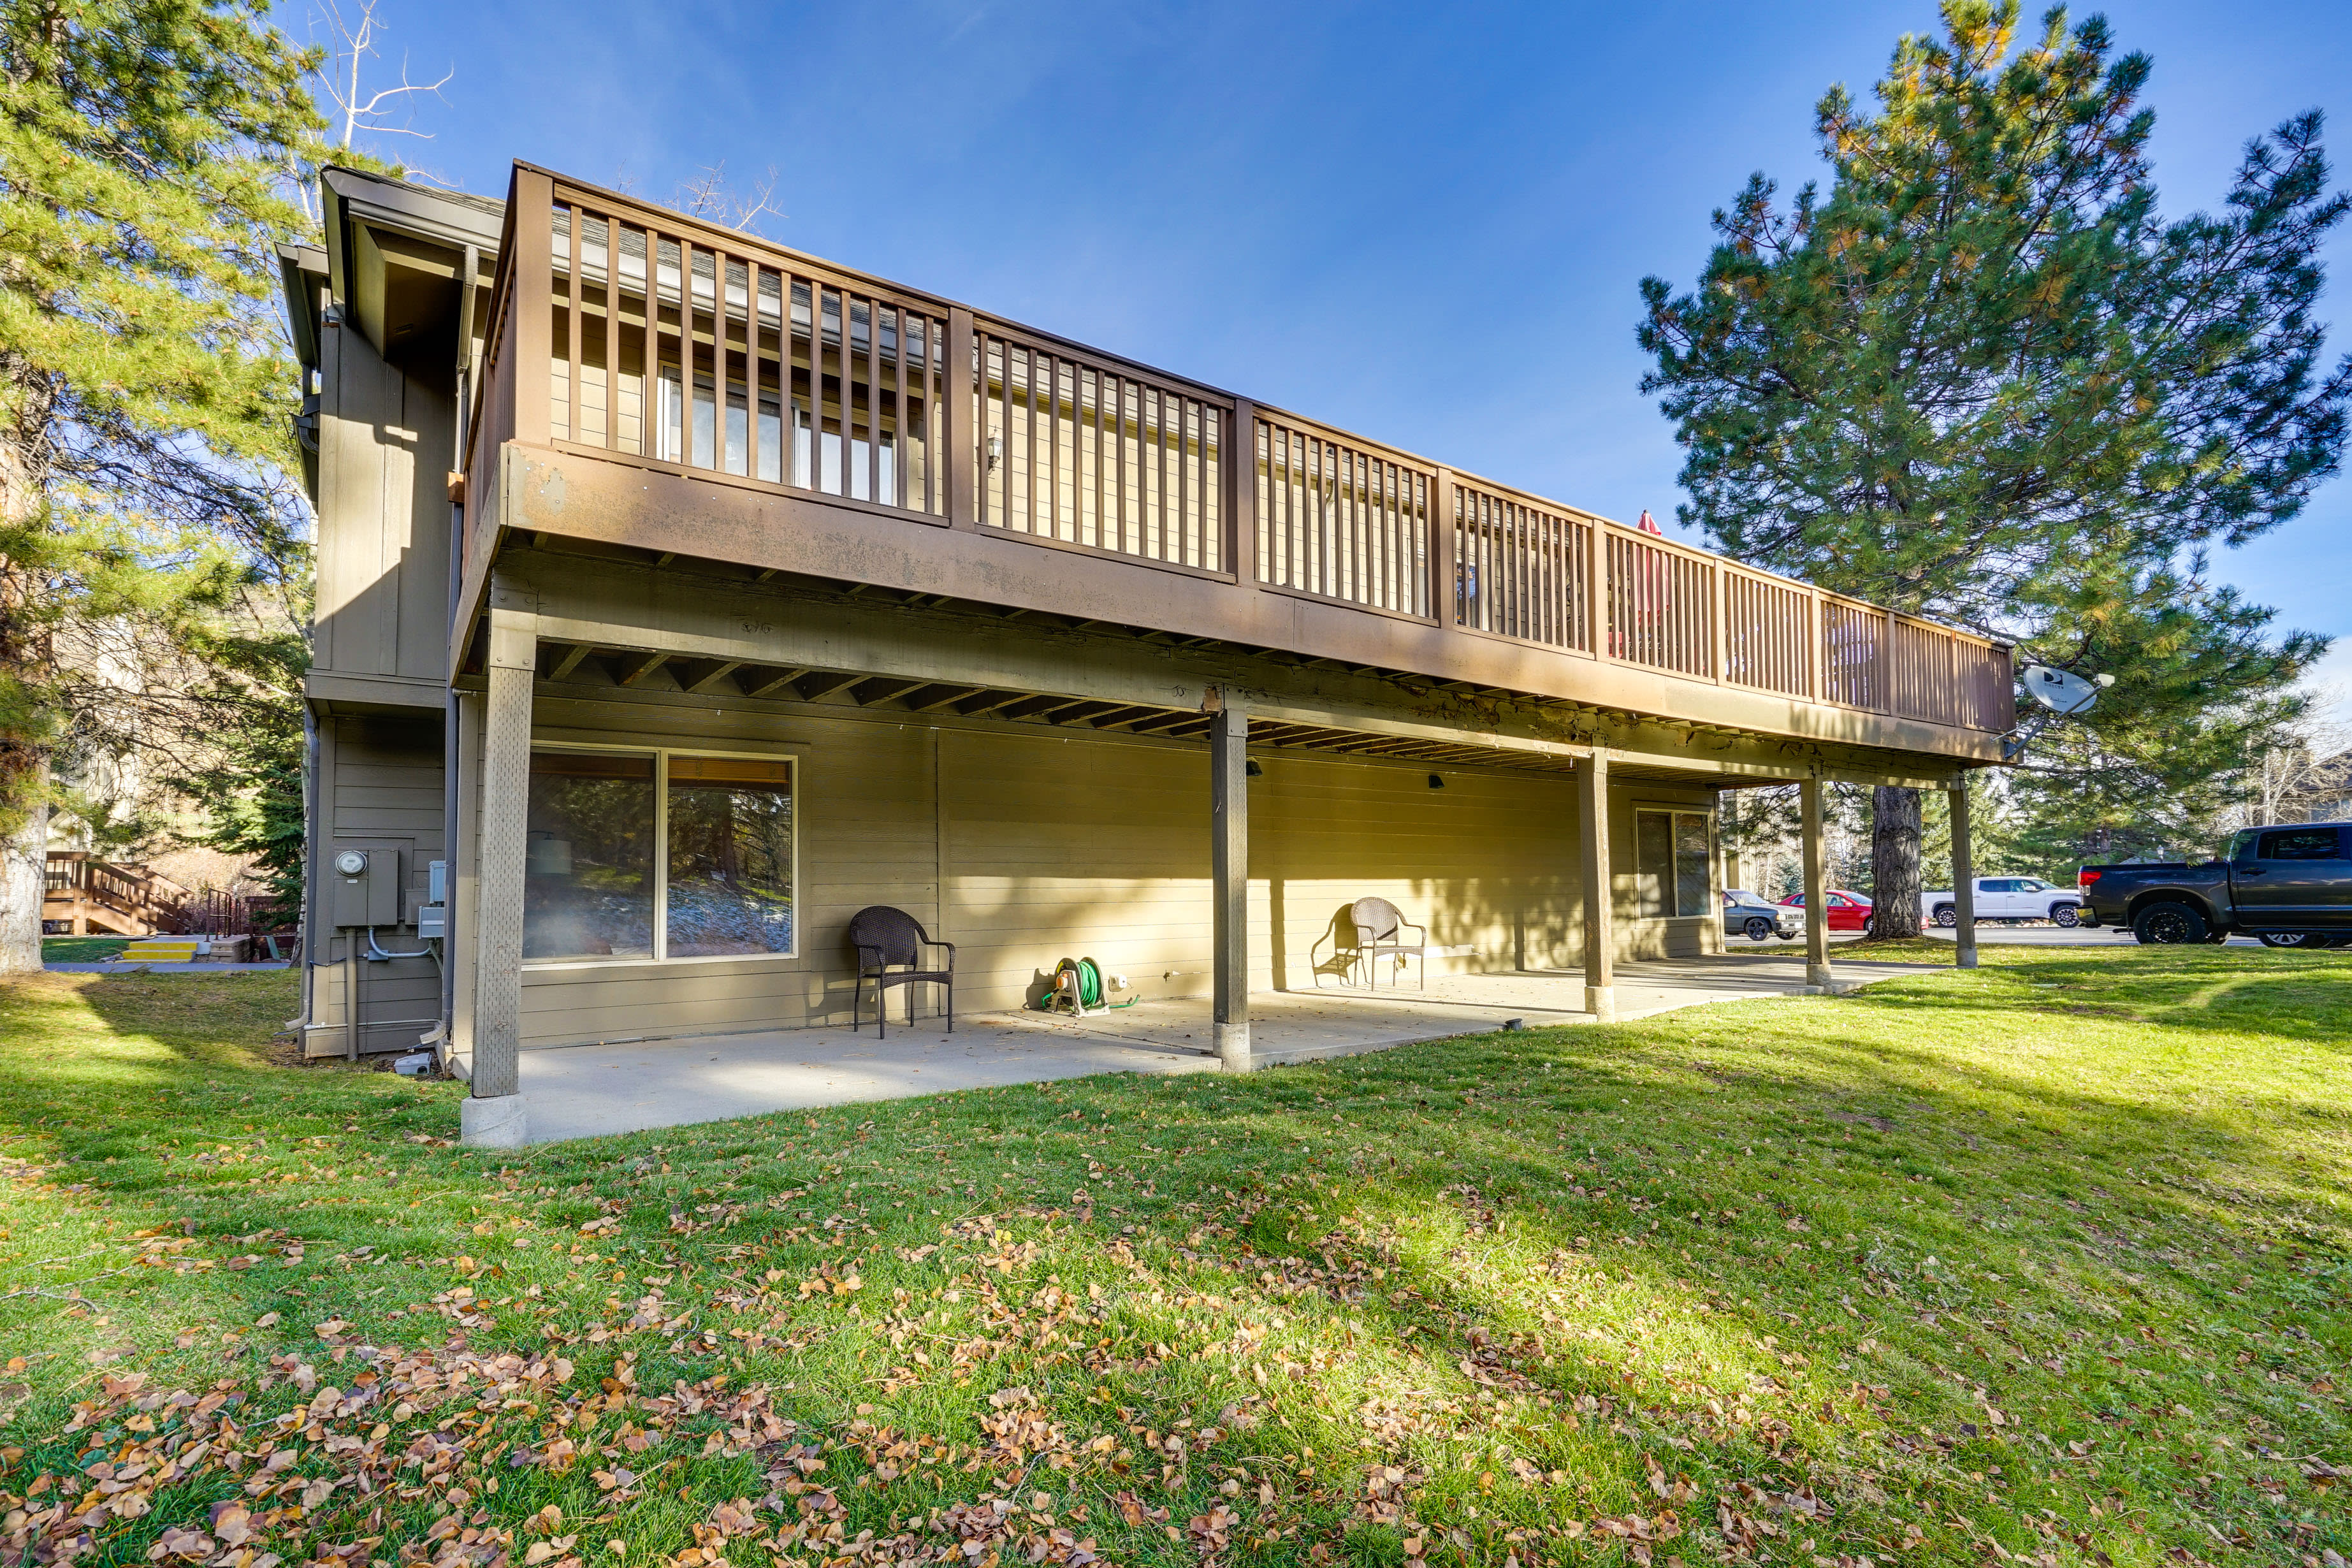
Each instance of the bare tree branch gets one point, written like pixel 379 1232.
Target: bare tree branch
pixel 356 109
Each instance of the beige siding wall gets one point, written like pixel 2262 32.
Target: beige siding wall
pixel 1065 847
pixel 867 835
pixel 1487 863
pixel 1025 848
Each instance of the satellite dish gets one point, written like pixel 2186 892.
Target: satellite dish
pixel 2061 690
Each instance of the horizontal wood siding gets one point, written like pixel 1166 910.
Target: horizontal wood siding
pixel 1062 849
pixel 1488 863
pixel 864 810
pixel 1024 849
pixel 381 786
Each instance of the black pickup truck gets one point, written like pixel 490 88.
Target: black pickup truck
pixel 2290 886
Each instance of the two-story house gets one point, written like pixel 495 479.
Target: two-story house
pixel 685 595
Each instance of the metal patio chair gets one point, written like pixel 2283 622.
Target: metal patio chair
pixel 1380 932
pixel 887 939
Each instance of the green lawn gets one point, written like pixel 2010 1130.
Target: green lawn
pixel 81 949
pixel 2043 1262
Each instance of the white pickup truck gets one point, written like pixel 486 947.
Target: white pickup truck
pixel 2008 899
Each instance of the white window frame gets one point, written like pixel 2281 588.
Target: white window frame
pixel 661 756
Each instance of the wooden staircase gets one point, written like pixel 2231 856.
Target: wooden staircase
pixel 90 896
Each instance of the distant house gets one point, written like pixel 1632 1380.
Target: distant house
pixel 683 593
pixel 2327 794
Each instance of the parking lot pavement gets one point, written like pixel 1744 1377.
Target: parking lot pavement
pixel 1990 934
pixel 2051 936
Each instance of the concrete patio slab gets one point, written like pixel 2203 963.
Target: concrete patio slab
pixel 593 1091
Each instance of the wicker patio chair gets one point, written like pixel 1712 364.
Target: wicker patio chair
pixel 891 944
pixel 1380 932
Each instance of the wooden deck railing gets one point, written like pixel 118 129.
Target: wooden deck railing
pixel 1522 568
pixel 76 885
pixel 1090 452
pixel 1341 520
pixel 679 345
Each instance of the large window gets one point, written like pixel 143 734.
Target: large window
pixel 1670 864
pixel 588 857
pixel 730 857
pixel 657 855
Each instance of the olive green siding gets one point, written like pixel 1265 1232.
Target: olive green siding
pixel 378 789
pixel 1023 847
pixel 387 443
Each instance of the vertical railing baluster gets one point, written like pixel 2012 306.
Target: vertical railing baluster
pixel 753 362
pixel 719 444
pixel 572 323
pixel 649 351
pixel 901 452
pixel 612 334
pixel 873 398
pixel 1522 569
pixel 1292 518
pixel 939 423
pixel 1261 474
pixel 685 351
pixel 1050 377
pixel 816 386
pixel 1028 435
pixel 1188 525
pixel 794 476
pixel 1391 565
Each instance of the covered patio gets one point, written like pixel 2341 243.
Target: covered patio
pixel 593 1091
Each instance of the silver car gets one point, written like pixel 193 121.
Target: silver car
pixel 1744 914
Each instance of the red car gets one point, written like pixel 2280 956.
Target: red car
pixel 1848 911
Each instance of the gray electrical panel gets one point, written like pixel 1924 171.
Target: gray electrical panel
pixel 433 914
pixel 366 884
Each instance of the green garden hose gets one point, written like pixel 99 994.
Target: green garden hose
pixel 1088 987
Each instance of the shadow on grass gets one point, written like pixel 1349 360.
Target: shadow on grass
pixel 1714 1225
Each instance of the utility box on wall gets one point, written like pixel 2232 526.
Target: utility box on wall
pixel 432 914
pixel 367 887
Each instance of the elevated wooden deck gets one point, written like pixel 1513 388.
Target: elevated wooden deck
pixel 652 384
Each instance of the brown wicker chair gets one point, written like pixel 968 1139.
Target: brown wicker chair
pixel 889 944
pixel 1379 933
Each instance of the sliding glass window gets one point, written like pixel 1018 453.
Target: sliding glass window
pixel 614 837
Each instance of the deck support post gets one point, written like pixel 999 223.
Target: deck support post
pixel 1229 881
pixel 1817 907
pixel 1600 922
pixel 1964 876
pixel 492 1116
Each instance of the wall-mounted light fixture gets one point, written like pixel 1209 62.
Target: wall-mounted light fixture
pixel 1253 769
pixel 1436 781
pixel 995 448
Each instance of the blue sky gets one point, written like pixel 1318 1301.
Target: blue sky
pixel 1423 223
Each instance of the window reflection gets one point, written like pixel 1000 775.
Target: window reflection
pixel 730 857
pixel 1671 864
pixel 588 865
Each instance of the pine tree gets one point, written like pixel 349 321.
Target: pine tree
pixel 1985 381
pixel 145 389
pixel 252 774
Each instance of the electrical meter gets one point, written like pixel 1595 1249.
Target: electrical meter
pixel 367 887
